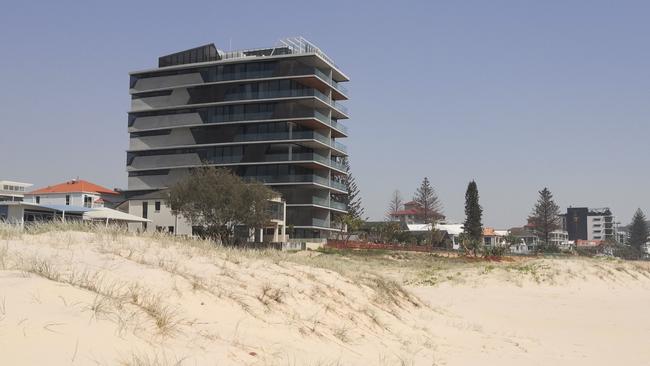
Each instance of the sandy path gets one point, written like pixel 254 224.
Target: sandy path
pixel 588 323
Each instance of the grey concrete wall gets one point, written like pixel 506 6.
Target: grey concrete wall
pixel 177 97
pixel 170 120
pixel 165 161
pixel 160 82
pixel 157 181
pixel 178 136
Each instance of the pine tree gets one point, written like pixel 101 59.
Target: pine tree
pixel 352 199
pixel 394 205
pixel 545 216
pixel 473 214
pixel 639 230
pixel 429 203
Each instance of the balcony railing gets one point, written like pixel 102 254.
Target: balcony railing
pixel 327 120
pixel 289 178
pixel 338 205
pixel 338 146
pixel 295 135
pixel 320 95
pixel 320 222
pixel 337 185
pixel 330 81
pixel 296 178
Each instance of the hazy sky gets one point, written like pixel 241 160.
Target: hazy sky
pixel 515 94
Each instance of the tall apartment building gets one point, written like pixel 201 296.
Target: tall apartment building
pixel 270 114
pixel 583 223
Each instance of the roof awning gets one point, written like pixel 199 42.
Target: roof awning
pixel 103 213
pixel 67 208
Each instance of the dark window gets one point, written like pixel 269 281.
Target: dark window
pixel 67 200
pixel 170 229
pixel 157 206
pixel 145 210
pixel 38 199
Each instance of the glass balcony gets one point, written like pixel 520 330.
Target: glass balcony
pixel 319 201
pixel 320 95
pixel 331 82
pixel 338 205
pixel 338 185
pixel 332 122
pixel 339 146
pixel 320 222
pixel 339 126
pixel 295 135
pixel 337 165
pixel 289 178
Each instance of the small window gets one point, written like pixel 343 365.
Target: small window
pixel 170 229
pixel 157 206
pixel 38 199
pixel 67 200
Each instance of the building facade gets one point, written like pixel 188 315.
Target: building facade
pixel 583 223
pixel 154 207
pixel 12 191
pixel 271 115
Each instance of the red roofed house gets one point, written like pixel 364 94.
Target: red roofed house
pixel 76 192
pixel 411 214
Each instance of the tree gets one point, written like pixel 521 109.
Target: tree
pixel 394 205
pixel 473 214
pixel 545 216
pixel 639 231
pixel 352 199
pixel 349 223
pixel 218 201
pixel 429 203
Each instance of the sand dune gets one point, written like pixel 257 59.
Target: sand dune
pixel 80 298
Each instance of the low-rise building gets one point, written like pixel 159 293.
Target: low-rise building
pixel 559 239
pixel 153 206
pixel 412 213
pixel 12 191
pixel 493 237
pixel 75 192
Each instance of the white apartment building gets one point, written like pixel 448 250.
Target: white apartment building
pixel 153 206
pixel 12 191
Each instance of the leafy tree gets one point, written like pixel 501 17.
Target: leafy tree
pixel 429 203
pixel 389 232
pixel 348 224
pixel 219 201
pixel 473 214
pixel 352 199
pixel 545 217
pixel 394 205
pixel 639 231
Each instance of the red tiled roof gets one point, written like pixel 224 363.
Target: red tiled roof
pixel 406 212
pixel 74 186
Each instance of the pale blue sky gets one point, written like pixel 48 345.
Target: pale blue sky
pixel 515 94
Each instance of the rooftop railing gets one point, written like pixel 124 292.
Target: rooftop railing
pixel 287 46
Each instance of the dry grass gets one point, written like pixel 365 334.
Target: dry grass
pixel 340 297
